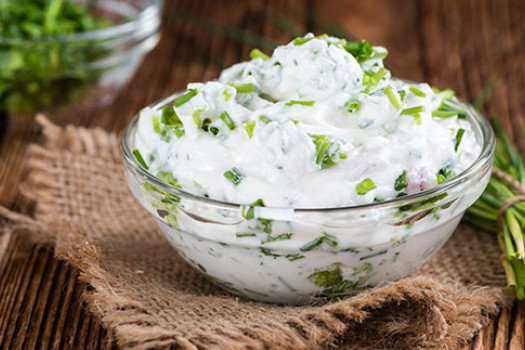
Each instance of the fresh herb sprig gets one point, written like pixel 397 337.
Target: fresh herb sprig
pixel 501 209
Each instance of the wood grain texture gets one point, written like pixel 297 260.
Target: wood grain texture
pixel 449 43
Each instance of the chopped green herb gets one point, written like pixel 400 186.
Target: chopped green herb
pixel 185 98
pixel 459 136
pixel 281 237
pixel 156 124
pixel 444 94
pixel 266 225
pixel 169 117
pixel 326 277
pixel 234 175
pixel 443 114
pixel 139 158
pixel 264 119
pixel 364 51
pixel 167 176
pixel 240 235
pixel 293 257
pixel 256 53
pixel 393 96
pixel 227 95
pixel 301 41
pixel 325 151
pixel 444 174
pixel 325 237
pixel 402 94
pixel 417 92
pixel 417 118
pixel 371 79
pixel 412 110
pixel 401 181
pixel 365 186
pixel 243 88
pixel 304 103
pixel 225 117
pixel 248 126
pixel 352 106
pixel 248 212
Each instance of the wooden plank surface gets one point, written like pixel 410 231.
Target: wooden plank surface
pixel 449 43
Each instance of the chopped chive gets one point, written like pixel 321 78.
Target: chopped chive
pixel 139 158
pixel 365 186
pixel 393 96
pixel 371 79
pixel 412 110
pixel 402 94
pixel 352 106
pixel 417 92
pixel 248 212
pixel 169 117
pixel 242 88
pixel 167 176
pixel 185 98
pixel 227 95
pixel 444 94
pixel 324 155
pixel 401 181
pixel 325 237
pixel 225 117
pixel 281 237
pixel 293 257
pixel 264 119
pixel 234 175
pixel 256 53
pixel 301 41
pixel 304 103
pixel 443 114
pixel 417 118
pixel 459 136
pixel 444 174
pixel 329 276
pixel 363 50
pixel 196 115
pixel 240 235
pixel 156 124
pixel 248 126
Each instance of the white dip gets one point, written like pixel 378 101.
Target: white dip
pixel 319 129
pixel 320 124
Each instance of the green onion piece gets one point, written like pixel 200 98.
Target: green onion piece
pixel 169 117
pixel 364 51
pixel 185 98
pixel 352 106
pixel 243 88
pixel 459 136
pixel 240 235
pixel 417 118
pixel 256 53
pixel 393 96
pixel 444 174
pixel 168 177
pixel 225 117
pixel 234 175
pixel 281 237
pixel 412 110
pixel 156 124
pixel 304 103
pixel 365 186
pixel 402 94
pixel 248 212
pixel 324 155
pixel 401 181
pixel 443 114
pixel 248 126
pixel 329 276
pixel 227 95
pixel 417 92
pixel 444 94
pixel 312 244
pixel 139 158
pixel 264 119
pixel 301 41
pixel 371 79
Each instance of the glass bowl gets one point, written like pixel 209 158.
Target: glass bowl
pixel 81 70
pixel 331 253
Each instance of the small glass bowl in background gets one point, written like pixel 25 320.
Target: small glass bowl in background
pixel 71 75
pixel 326 252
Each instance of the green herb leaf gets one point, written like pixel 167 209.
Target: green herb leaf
pixel 234 175
pixel 325 237
pixel 248 212
pixel 443 114
pixel 401 181
pixel 185 98
pixel 364 51
pixel 371 79
pixel 325 151
pixel 444 174
pixel 281 237
pixel 459 136
pixel 256 53
pixel 225 117
pixel 304 103
pixel 326 277
pixel 264 119
pixel 243 88
pixel 156 124
pixel 140 159
pixel 352 106
pixel 416 91
pixel 365 186
pixel 301 41
pixel 248 126
pixel 393 96
pixel 412 110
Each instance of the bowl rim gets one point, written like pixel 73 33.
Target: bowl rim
pixel 150 14
pixel 484 158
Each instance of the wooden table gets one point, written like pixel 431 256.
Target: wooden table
pixel 459 44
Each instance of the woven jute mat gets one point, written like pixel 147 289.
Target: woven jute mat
pixel 151 298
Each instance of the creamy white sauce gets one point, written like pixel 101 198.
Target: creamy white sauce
pixel 274 253
pixel 377 142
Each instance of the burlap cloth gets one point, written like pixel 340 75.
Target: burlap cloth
pixel 151 298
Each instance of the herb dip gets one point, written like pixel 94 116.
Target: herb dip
pixel 319 124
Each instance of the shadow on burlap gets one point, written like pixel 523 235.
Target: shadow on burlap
pixel 152 299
